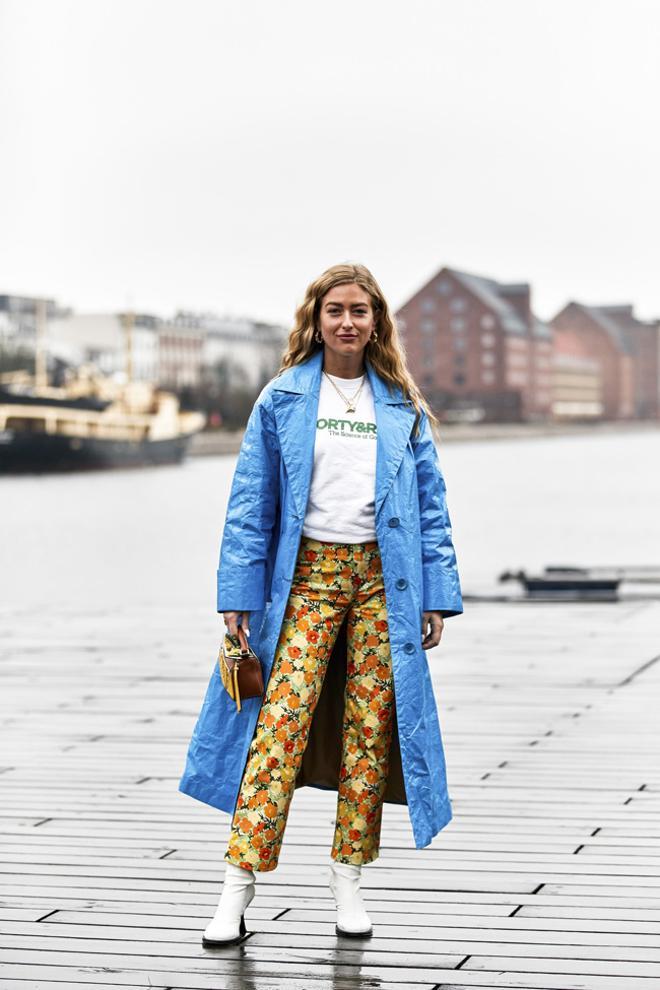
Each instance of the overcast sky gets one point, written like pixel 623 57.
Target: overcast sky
pixel 212 155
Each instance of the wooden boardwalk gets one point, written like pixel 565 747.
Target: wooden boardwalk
pixel 548 876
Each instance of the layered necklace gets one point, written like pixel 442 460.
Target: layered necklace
pixel 351 401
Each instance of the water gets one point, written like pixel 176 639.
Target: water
pixel 575 500
pixel 151 536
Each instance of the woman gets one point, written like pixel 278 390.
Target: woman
pixel 337 560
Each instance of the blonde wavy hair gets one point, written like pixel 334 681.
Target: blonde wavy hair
pixel 386 353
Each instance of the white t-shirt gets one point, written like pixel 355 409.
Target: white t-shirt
pixel 340 508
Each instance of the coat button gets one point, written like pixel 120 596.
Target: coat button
pixel 401 584
pixel 408 647
pixel 394 521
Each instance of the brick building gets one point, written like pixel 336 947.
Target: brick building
pixel 474 344
pixel 577 388
pixel 627 351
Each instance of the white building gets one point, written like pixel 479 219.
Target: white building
pixel 187 350
pixel 100 338
pixel 248 349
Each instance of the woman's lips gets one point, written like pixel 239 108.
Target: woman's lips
pixel 347 336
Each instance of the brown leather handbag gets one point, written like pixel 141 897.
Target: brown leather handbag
pixel 240 668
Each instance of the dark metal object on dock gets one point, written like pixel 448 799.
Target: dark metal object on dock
pixel 567 584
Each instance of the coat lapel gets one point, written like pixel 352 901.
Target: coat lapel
pixel 395 416
pixel 295 401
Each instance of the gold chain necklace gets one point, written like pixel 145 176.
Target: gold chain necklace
pixel 352 402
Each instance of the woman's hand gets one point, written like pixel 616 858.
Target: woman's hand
pixel 231 622
pixel 434 634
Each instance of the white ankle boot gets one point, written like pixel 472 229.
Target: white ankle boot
pixel 228 924
pixel 352 918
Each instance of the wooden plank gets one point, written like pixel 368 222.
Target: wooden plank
pixel 317 912
pixel 339 976
pixel 625 968
pixel 550 866
pixel 40 984
pixel 547 877
pixel 275 938
pixel 454 903
pixel 294 927
pixel 233 978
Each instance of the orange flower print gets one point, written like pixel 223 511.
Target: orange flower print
pixel 330 580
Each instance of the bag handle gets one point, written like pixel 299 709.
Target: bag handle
pixel 242 639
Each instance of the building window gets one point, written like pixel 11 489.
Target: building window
pixel 459 379
pixel 458 304
pixel 457 324
pixel 488 340
pixel 459 360
pixel 487 357
pixel 487 376
pixel 427 326
pixel 487 322
pixel 427 305
pixel 459 343
pixel 443 286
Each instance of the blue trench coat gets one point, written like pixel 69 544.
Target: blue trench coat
pixel 262 533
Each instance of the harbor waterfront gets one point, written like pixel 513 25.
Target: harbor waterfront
pixel 545 878
pixel 229 441
pixel 152 535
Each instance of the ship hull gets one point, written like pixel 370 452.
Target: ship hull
pixel 40 452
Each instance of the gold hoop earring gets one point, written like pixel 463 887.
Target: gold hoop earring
pixel 372 340
pixel 318 336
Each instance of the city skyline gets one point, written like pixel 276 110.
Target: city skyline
pixel 197 312
pixel 163 156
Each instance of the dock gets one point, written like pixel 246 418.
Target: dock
pixel 548 876
pixel 225 442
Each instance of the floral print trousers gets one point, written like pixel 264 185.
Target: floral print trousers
pixel 329 580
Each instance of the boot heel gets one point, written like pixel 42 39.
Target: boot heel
pixel 215 943
pixel 367 933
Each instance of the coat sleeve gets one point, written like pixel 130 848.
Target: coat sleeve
pixel 441 584
pixel 251 515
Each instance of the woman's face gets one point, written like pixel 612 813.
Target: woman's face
pixel 346 319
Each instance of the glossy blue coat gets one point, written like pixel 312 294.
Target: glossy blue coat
pixel 258 552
